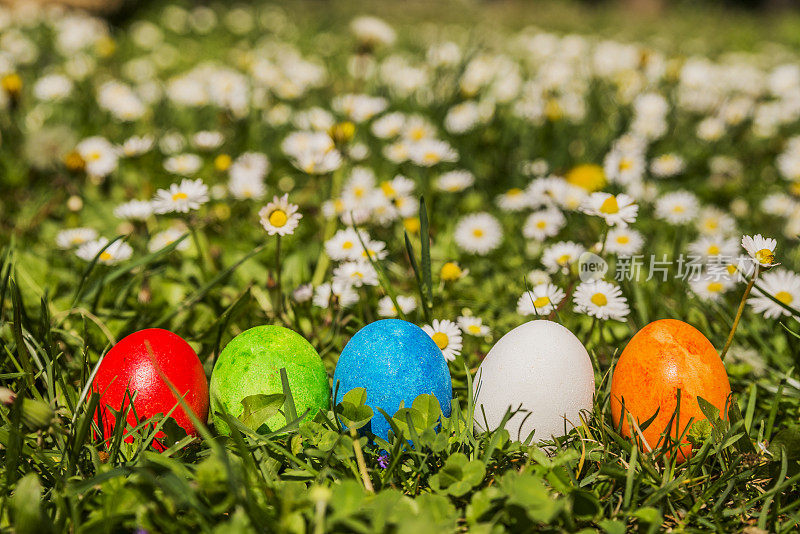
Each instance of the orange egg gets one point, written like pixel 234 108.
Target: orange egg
pixel 663 357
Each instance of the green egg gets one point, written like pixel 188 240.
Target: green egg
pixel 251 364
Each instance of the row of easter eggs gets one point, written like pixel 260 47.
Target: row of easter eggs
pixel 539 371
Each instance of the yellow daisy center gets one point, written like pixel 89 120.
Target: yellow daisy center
pixel 784 296
pixel 589 177
pixel 563 259
pixel 441 340
pixel 417 133
pixel 609 206
pixel 105 256
pixel 347 245
pixel 623 240
pixel 731 268
pixel 713 250
pixel 714 287
pixel 541 302
pixel 387 189
pixel 412 224
pixel 515 192
pixel 541 225
pixel 450 271
pixel 678 209
pixel 765 256
pixel 598 299
pixel 474 329
pixel 625 164
pixel 179 196
pixel 278 218
pixel 477 232
pixel 222 162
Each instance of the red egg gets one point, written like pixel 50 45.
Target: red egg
pixel 129 366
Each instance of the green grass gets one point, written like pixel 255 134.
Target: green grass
pixel 59 315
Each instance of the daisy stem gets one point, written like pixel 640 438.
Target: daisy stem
pixel 362 465
pixel 739 312
pixel 591 331
pixel 279 306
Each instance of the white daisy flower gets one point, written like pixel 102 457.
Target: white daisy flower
pixel 359 186
pixel 73 237
pixel 472 326
pixel 303 293
pixel 624 167
pixel 454 181
pixel 561 255
pixel 538 276
pixel 181 198
pixel 279 216
pixel 134 210
pixel 417 128
pixel 542 299
pixel 116 252
pixel 246 186
pixel 342 293
pixel 318 162
pixel 760 249
pixel 546 190
pixel 375 250
pixel 359 108
pixel 708 246
pixel 99 155
pixel 711 129
pixel 356 273
pixel 253 164
pixel 166 238
pixel 616 210
pixel 389 125
pixel 183 164
pixel 513 200
pixel 714 221
pixel 779 204
pixel 429 152
pixel 52 87
pixel 345 245
pixel 784 286
pixel 710 286
pixel 624 241
pixel 397 152
pixel 478 233
pixel 601 299
pixel 667 165
pixel 570 197
pixel 372 31
pixel 137 145
pixel 678 207
pixel 386 307
pixel 447 336
pixel 398 186
pixel 207 140
pixel 543 224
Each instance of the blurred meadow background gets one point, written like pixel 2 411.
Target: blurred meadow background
pixel 209 167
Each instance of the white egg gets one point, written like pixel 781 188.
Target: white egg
pixel 541 371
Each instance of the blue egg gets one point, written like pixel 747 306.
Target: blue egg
pixel 394 361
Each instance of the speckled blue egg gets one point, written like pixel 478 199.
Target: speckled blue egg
pixel 395 361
